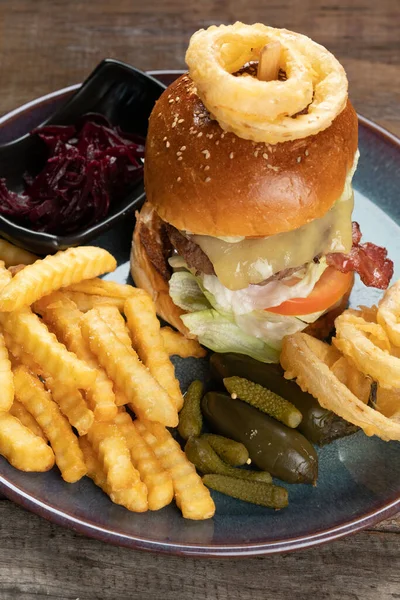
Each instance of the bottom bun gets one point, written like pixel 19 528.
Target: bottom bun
pixel 147 277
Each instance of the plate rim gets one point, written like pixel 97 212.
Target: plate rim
pixel 54 515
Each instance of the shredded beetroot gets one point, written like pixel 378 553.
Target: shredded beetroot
pixel 90 165
pixel 368 260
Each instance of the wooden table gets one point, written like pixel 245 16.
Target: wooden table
pixel 47 45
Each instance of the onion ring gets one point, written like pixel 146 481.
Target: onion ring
pixel 389 313
pixel 368 347
pixel 266 111
pixel 301 359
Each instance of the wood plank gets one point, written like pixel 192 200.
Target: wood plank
pixel 48 45
pixel 40 560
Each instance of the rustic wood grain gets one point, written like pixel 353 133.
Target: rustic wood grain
pixel 46 45
pixel 40 560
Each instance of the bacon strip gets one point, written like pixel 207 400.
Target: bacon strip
pixel 368 260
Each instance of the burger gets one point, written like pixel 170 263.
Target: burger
pixel 241 242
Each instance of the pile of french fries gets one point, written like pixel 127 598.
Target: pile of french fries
pixel 86 381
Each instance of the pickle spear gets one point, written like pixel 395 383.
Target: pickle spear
pixel 263 399
pixel 190 417
pixel 200 453
pixel 319 425
pixel 272 446
pixel 263 494
pixel 231 452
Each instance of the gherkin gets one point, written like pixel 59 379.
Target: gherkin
pixel 190 417
pixel 200 453
pixel 256 492
pixel 233 453
pixel 263 399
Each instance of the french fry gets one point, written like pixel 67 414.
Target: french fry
pixel 116 322
pixel 71 404
pixel 102 287
pixel 12 255
pixel 52 273
pixel 5 276
pixel 64 318
pixel 6 377
pixel 178 344
pixel 112 450
pixel 191 495
pixel 19 355
pixel 21 447
pixel 86 302
pixel 19 411
pixel 144 327
pixel 127 497
pixel 131 377
pixel 30 391
pixel 157 479
pixel 27 330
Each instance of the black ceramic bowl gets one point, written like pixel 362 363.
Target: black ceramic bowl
pixel 125 96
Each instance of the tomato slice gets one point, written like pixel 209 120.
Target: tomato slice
pixel 328 290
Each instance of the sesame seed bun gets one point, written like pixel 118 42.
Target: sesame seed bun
pixel 204 181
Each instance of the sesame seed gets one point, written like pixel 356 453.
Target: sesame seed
pixel 165 139
pixel 265 156
pixel 171 101
pixel 173 124
pixel 208 179
pixel 232 154
pixel 183 148
pixel 206 154
pixel 178 153
pixel 207 167
pixel 200 134
pixel 211 136
pixel 222 136
pixel 299 159
pixel 217 142
pixel 306 153
pixel 256 153
pixel 180 157
pixel 233 396
pixel 167 144
pixel 181 120
pixel 179 179
pixel 177 99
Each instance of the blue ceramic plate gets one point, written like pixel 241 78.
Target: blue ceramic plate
pixel 359 481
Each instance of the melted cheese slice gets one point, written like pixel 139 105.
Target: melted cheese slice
pixel 250 261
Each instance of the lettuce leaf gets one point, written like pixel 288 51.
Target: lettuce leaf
pixel 217 332
pixel 256 333
pixel 186 292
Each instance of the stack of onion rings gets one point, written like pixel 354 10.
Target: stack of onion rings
pixel 266 111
